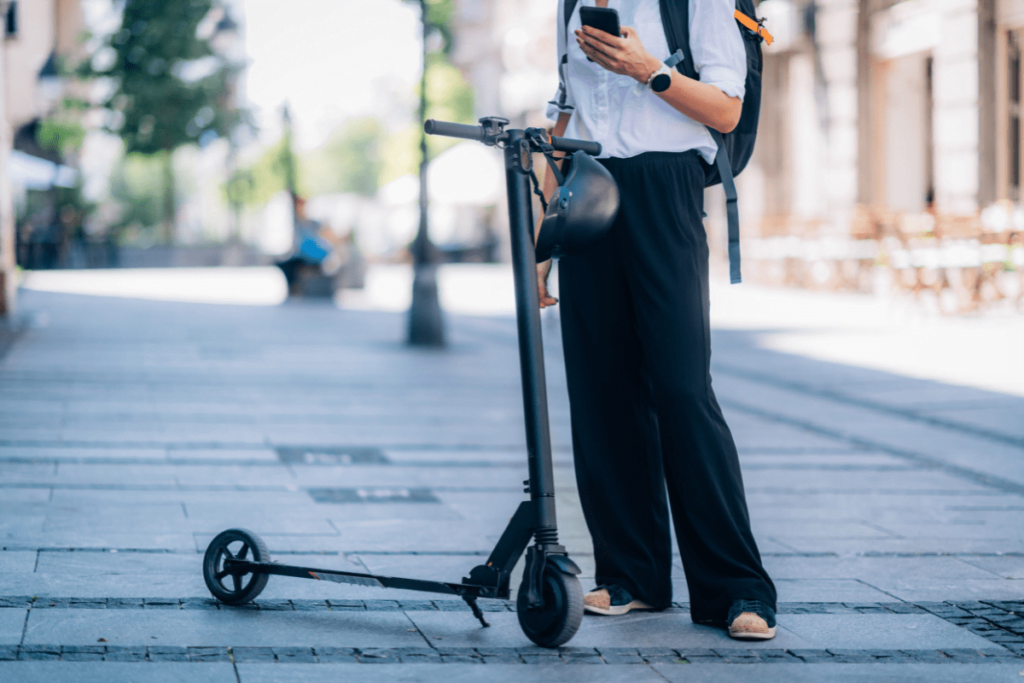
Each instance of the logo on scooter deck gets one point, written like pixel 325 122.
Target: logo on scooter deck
pixel 341 578
pixel 374 495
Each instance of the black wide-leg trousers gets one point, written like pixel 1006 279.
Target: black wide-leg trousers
pixel 645 420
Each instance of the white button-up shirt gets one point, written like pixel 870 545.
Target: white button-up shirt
pixel 608 108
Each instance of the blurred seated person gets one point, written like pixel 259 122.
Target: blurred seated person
pixel 309 247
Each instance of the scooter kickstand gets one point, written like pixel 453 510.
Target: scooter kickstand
pixel 477 612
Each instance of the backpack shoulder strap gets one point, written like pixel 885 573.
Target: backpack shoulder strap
pixel 675 16
pixel 569 6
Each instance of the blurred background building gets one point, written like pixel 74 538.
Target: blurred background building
pixel 888 152
pixel 888 156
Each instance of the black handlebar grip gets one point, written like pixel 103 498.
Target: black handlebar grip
pixel 569 145
pixel 453 130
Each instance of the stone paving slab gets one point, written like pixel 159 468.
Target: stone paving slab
pixel 880 631
pixel 223 628
pixel 12 622
pixel 671 628
pixel 356 673
pixel 120 672
pixel 841 673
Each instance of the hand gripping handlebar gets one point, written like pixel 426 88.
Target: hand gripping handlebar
pixel 488 136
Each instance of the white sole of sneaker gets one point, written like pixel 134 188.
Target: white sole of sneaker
pixel 752 635
pixel 616 610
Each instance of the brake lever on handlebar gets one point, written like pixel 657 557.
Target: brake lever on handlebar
pixel 494 127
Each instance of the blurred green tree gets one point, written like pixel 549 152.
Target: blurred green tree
pixel 171 88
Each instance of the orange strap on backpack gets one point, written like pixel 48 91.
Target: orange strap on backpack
pixel 754 26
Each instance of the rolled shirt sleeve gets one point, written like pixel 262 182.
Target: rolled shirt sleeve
pixel 562 102
pixel 719 55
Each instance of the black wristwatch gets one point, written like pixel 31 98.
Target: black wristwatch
pixel 661 79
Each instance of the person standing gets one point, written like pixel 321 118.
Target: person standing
pixel 635 322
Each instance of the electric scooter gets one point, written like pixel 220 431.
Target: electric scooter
pixel 549 605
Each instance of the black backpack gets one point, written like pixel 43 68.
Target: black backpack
pixel 738 145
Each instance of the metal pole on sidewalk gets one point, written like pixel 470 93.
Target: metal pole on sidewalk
pixel 426 324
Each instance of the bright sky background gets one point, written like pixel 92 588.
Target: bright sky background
pixel 330 59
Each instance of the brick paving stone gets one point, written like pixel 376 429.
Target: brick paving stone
pixel 252 655
pixel 502 659
pixel 39 652
pixel 904 608
pixel 82 657
pixel 275 605
pixel 8 653
pixel 547 659
pixel 15 601
pixel 346 604
pixel 618 650
pixel 777 656
pixel 451 605
pixel 850 656
pixel 813 656
pixel 646 652
pixel 461 659
pixel 622 659
pixel 209 654
pixel 496 606
pixel 95 649
pixel 51 603
pixel 294 654
pixel 497 651
pixel 118 653
pixel 417 605
pixel 161 603
pixel 582 659
pixel 735 655
pixel 461 651
pixel 124 603
pixel 373 656
pixel 927 655
pixel 963 654
pixel 421 658
pixel 167 653
pixel 87 604
pixel 886 656
pixel 309 605
pixel 200 603
pixel 384 605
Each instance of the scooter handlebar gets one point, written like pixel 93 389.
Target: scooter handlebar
pixel 479 133
pixel 454 130
pixel 570 145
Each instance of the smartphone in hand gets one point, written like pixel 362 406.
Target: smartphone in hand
pixel 601 18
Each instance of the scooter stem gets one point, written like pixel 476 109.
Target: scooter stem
pixel 531 346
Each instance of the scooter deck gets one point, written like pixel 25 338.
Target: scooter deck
pixel 356 578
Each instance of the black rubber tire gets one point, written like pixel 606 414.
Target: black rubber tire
pixel 241 590
pixel 558 620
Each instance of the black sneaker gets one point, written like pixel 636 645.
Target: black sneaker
pixel 611 601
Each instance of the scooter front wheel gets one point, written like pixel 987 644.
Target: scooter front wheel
pixel 557 620
pixel 233 588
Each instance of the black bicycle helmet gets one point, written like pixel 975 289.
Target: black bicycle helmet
pixel 581 212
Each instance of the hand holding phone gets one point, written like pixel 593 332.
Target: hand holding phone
pixel 601 18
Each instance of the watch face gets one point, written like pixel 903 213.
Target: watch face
pixel 661 82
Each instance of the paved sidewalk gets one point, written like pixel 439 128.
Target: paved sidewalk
pixel 889 509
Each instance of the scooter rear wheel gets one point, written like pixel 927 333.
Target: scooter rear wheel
pixel 235 544
pixel 556 622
